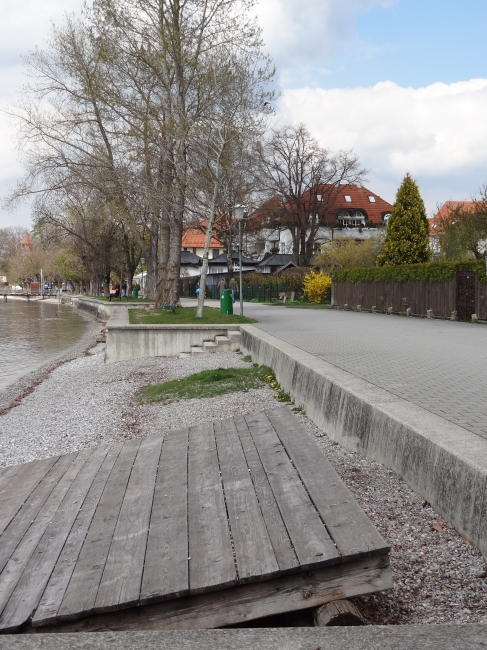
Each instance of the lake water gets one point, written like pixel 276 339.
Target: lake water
pixel 32 333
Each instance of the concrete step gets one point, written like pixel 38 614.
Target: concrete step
pixel 210 346
pixel 184 355
pixel 222 339
pixel 196 349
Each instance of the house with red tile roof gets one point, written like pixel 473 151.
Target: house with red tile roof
pixel 445 213
pixel 193 240
pixel 351 205
pixel 345 211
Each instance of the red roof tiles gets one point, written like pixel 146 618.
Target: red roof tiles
pixel 195 238
pixel 446 212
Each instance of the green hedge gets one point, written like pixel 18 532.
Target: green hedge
pixel 436 271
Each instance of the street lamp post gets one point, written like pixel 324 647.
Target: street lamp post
pixel 239 215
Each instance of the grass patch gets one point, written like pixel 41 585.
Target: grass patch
pixel 208 383
pixel 183 316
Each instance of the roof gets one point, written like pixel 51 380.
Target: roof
pixel 223 258
pixel 334 200
pixel 187 257
pixel 359 199
pixel 288 265
pixel 445 212
pixel 26 240
pixel 279 259
pixel 195 238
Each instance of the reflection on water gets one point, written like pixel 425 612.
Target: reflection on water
pixel 32 333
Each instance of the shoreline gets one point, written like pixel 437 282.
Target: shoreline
pixel 13 394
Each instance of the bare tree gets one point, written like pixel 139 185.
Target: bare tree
pixel 305 179
pixel 9 243
pixel 239 120
pixel 114 102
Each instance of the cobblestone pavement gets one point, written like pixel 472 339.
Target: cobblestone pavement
pixel 438 365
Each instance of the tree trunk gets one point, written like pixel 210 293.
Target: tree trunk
pixel 209 232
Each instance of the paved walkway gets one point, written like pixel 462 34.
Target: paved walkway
pixel 438 365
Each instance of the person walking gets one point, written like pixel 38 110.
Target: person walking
pixel 234 287
pixel 222 284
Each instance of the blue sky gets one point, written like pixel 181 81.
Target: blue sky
pixel 391 79
pixel 413 43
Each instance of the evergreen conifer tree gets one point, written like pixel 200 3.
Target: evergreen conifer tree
pixel 407 237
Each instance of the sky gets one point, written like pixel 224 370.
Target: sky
pixel 401 82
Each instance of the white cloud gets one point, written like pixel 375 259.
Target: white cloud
pixel 304 33
pixel 438 133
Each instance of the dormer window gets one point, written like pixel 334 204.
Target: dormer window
pixel 348 198
pixel 351 220
pixel 372 199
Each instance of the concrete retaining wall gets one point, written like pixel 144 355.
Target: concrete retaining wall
pixel 125 341
pixel 104 310
pixel 442 462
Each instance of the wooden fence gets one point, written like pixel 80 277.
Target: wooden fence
pixel 463 294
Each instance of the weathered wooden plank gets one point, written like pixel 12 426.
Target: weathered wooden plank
pixel 28 590
pixel 211 563
pixel 309 536
pixel 81 592
pixel 20 488
pixel 122 577
pixel 253 549
pixel 166 561
pixel 247 602
pixel 351 530
pixel 15 566
pixel 61 575
pixel 281 543
pixel 6 475
pixel 22 521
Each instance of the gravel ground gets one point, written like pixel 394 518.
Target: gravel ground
pixel 84 403
pixel 438 577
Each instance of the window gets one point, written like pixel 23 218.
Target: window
pixel 318 197
pixel 348 198
pixel 356 219
pixel 372 199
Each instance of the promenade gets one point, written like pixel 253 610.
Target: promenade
pixel 440 366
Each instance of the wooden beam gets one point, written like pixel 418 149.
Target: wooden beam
pixel 338 612
pixel 244 602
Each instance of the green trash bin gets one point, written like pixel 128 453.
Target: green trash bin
pixel 135 293
pixel 226 304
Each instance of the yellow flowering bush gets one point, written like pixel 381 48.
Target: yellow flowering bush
pixel 317 287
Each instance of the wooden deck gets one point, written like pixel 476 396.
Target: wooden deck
pixel 199 528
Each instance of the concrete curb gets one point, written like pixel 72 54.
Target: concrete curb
pixel 126 341
pixel 442 462
pixel 402 637
pixel 104 310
